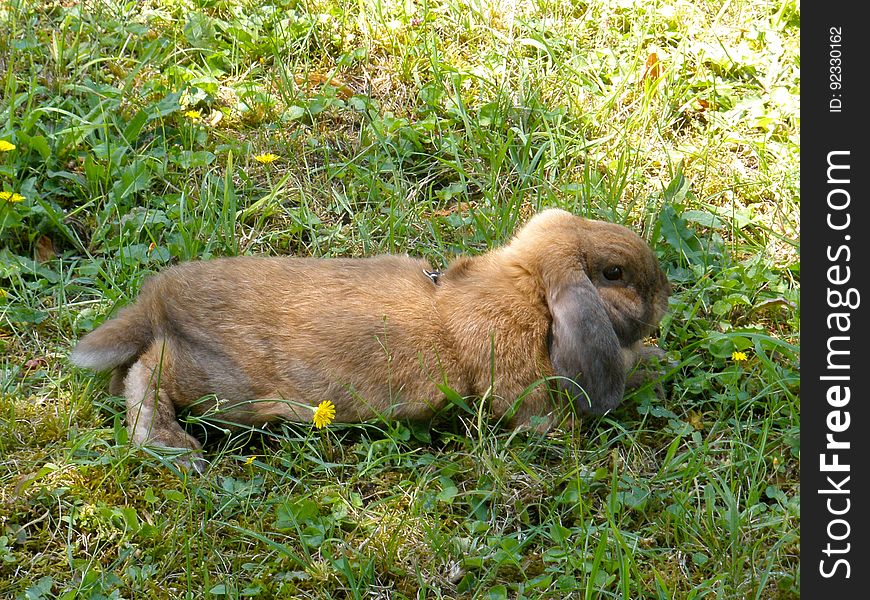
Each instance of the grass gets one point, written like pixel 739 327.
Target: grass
pixel 430 127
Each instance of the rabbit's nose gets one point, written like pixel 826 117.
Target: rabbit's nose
pixel 666 285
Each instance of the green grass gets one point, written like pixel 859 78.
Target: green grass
pixel 434 128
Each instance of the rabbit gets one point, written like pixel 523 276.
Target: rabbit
pixel 552 319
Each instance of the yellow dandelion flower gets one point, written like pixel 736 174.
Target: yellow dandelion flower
pixel 193 115
pixel 738 356
pixel 11 197
pixel 266 158
pixel 250 460
pixel 6 146
pixel 324 414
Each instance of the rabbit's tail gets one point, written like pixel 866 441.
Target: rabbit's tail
pixel 116 342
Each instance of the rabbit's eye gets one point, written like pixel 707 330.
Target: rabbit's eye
pixel 612 273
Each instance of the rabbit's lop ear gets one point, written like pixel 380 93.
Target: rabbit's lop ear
pixel 584 350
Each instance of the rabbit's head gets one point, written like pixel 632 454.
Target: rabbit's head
pixel 605 291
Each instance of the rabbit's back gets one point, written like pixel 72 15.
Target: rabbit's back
pixel 360 332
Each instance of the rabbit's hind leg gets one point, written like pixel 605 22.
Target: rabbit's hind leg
pixel 151 418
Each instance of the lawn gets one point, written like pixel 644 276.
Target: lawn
pixel 134 135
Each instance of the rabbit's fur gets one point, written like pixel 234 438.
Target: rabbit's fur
pixel 258 338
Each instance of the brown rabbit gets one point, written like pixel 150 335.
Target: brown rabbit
pixel 256 339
